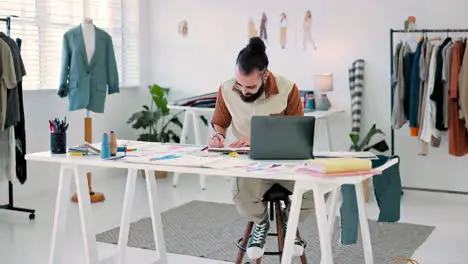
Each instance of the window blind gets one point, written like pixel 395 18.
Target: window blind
pixel 42 23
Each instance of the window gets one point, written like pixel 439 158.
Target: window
pixel 41 24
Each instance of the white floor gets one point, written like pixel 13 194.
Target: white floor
pixel 25 242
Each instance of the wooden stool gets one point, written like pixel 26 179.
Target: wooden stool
pixel 275 196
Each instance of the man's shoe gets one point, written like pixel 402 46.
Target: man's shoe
pixel 256 245
pixel 299 244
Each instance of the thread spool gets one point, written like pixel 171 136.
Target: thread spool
pixel 122 149
pixel 113 143
pixel 105 146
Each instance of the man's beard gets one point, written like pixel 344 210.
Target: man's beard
pixel 252 97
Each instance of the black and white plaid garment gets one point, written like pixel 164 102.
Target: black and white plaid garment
pixel 356 86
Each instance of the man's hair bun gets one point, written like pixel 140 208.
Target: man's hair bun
pixel 256 45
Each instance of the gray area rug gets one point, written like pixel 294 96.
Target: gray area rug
pixel 211 230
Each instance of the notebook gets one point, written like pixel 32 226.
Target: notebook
pixel 338 165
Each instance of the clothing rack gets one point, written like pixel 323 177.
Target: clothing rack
pixel 392 147
pixel 10 206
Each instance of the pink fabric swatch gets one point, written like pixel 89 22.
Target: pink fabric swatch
pixel 338 174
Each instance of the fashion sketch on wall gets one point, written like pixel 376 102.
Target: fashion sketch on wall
pixel 308 39
pixel 252 29
pixel 263 27
pixel 183 28
pixel 283 30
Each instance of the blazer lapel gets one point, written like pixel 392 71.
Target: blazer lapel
pixel 81 45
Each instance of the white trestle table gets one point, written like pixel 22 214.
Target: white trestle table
pixel 192 115
pixel 75 164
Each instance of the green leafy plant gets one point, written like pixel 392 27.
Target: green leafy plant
pixel 156 122
pixel 364 144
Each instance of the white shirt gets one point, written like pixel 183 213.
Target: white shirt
pixel 284 23
pixel 428 128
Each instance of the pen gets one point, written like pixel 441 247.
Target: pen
pixel 214 129
pixel 76 154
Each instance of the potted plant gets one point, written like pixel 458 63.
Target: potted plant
pixel 364 145
pixel 155 120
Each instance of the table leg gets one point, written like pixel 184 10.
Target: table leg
pixel 327 128
pixel 364 225
pixel 333 203
pixel 156 223
pixel 198 142
pixel 293 221
pixel 323 227
pixel 126 213
pixel 60 218
pixel 183 136
pixel 84 204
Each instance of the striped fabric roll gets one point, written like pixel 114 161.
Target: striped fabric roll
pixel 356 86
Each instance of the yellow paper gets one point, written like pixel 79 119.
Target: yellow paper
pixel 336 165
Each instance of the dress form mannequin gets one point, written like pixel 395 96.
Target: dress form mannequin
pixel 89 37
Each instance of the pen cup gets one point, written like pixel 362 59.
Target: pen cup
pixel 58 143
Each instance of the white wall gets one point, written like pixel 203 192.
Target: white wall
pixel 344 31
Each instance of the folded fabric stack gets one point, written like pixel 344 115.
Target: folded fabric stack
pixel 338 167
pixel 204 100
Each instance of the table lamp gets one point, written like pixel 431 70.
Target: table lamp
pixel 323 83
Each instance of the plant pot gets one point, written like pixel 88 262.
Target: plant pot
pixel 157 174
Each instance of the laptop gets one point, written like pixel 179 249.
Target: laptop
pixel 282 137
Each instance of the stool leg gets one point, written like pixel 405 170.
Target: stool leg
pixel 303 257
pixel 245 239
pixel 258 261
pixel 279 228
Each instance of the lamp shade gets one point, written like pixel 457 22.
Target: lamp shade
pixel 323 82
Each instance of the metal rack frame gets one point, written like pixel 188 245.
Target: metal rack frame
pixel 11 206
pixel 392 147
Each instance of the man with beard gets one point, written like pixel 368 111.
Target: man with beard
pixel 256 91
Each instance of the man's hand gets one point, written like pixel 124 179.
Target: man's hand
pixel 216 141
pixel 242 142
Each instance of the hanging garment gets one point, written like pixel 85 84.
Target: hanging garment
pixel 428 129
pixel 463 89
pixel 86 84
pixel 426 52
pixel 356 86
pixel 407 67
pixel 424 146
pixel 13 109
pixel 414 90
pixel 447 58
pixel 446 81
pixel 458 135
pixel 20 138
pixel 437 95
pixel 7 79
pixel 398 116
pixel 5 155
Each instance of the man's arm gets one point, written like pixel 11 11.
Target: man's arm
pixel 221 118
pixel 294 107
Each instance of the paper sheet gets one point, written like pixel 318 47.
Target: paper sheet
pixel 344 154
pixel 174 160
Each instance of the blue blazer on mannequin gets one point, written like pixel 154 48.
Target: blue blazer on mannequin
pixel 86 85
